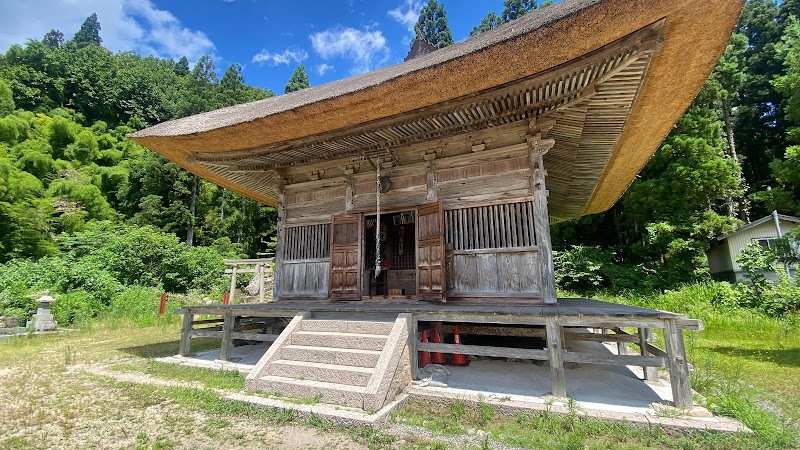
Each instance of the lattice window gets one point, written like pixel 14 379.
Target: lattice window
pixel 306 242
pixel 493 226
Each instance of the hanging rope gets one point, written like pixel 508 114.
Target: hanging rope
pixel 378 267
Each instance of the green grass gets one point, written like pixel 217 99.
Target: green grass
pixel 550 430
pixel 219 379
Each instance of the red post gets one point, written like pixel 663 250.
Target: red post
pixel 163 305
pixel 226 298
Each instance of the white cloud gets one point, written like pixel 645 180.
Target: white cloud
pixel 324 67
pixel 285 57
pixel 364 48
pixel 126 25
pixel 407 14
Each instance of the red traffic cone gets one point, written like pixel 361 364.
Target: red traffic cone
pixel 424 356
pixel 458 359
pixel 437 357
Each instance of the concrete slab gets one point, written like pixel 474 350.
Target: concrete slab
pixel 243 358
pixel 333 413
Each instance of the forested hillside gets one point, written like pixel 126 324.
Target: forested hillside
pixel 67 168
pixel 65 161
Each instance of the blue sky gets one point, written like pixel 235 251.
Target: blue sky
pixel 333 39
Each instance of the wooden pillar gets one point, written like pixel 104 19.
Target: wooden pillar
pixel 412 347
pixel 677 365
pixel 646 337
pixel 227 342
pixel 430 172
pixel 233 282
pixel 186 334
pixel 537 147
pixel 555 347
pixel 279 245
pixel 261 269
pixel 349 200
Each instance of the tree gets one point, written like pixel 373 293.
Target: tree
pixel 433 24
pixel 490 22
pixel 514 9
pixel 758 121
pixel 298 80
pixel 89 32
pixel 6 99
pixel 786 170
pixel 182 67
pixel 232 80
pixel 54 39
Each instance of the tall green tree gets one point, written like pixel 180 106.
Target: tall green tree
pixel 432 22
pixel 786 169
pixel 512 9
pixel 182 67
pixel 89 32
pixel 53 39
pixel 298 80
pixel 489 22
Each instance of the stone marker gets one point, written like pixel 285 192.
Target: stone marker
pixel 43 319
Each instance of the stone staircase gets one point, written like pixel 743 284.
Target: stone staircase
pixel 338 360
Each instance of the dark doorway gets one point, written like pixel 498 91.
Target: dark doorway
pixel 398 275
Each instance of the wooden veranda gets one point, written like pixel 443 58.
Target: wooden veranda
pixel 570 317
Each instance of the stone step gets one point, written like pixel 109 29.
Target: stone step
pixel 328 355
pixel 330 373
pixel 333 393
pixel 348 326
pixel 360 341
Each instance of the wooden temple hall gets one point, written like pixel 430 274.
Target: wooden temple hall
pixel 422 194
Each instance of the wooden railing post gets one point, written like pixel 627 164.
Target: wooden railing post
pixel 227 342
pixel 555 347
pixel 233 282
pixel 677 365
pixel 186 334
pixel 646 337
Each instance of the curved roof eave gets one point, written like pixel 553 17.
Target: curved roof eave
pixel 695 34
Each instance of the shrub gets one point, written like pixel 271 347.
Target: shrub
pixel 75 308
pixel 586 269
pixel 14 304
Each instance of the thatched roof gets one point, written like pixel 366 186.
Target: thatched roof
pixel 694 35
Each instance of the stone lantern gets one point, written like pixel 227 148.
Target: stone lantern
pixel 43 319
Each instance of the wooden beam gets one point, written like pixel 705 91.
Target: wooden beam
pixel 483 350
pixel 261 337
